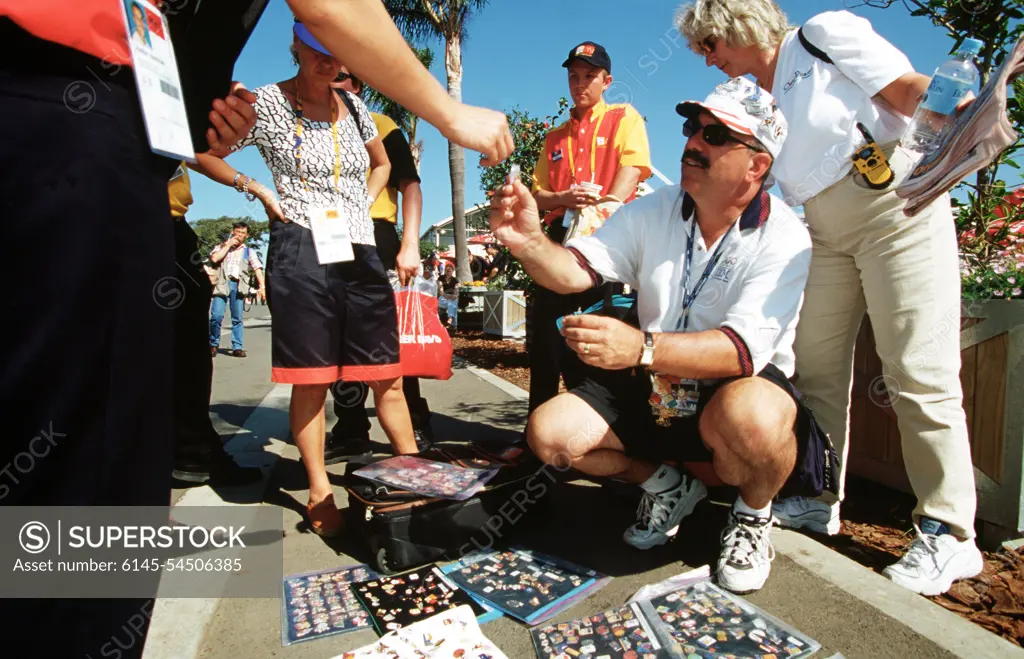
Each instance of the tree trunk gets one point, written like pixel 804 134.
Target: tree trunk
pixel 415 147
pixel 457 162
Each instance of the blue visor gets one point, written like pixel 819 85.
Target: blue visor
pixel 306 37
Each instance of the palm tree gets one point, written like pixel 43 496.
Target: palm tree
pixel 407 121
pixel 446 20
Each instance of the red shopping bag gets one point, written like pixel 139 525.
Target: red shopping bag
pixel 426 348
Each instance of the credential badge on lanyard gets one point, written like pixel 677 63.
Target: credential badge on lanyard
pixel 328 224
pixel 157 80
pixel 673 396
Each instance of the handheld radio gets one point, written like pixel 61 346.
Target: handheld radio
pixel 871 162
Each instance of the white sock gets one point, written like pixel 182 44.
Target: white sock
pixel 665 478
pixel 741 506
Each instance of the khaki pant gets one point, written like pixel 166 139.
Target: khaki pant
pixel 904 272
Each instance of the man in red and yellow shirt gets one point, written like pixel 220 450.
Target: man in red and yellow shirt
pixel 600 146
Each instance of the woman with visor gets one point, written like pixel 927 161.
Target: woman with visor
pixel 332 305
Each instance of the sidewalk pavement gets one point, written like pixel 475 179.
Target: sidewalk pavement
pixel 849 609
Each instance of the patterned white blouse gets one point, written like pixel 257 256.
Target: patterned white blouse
pixel 274 136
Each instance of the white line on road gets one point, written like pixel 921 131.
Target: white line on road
pixel 179 624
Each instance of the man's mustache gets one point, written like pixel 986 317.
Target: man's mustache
pixel 696 157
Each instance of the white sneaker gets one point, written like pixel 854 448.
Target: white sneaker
pixel 747 553
pixel 810 514
pixel 658 517
pixel 934 562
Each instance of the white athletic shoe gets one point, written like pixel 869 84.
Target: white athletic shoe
pixel 658 517
pixel 747 553
pixel 810 514
pixel 934 562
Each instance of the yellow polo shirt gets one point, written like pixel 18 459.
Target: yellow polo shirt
pixel 179 189
pixel 385 207
pixel 593 148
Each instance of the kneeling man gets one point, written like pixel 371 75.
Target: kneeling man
pixel 719 267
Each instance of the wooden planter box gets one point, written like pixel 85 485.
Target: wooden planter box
pixel 992 376
pixel 505 313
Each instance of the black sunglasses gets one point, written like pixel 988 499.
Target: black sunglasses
pixel 714 134
pixel 342 77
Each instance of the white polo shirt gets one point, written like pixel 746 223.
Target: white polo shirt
pixel 823 102
pixel 756 289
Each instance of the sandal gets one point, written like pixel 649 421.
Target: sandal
pixel 324 518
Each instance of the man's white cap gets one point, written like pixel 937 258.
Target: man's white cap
pixel 745 108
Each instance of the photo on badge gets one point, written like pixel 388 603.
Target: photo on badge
pixel 139 24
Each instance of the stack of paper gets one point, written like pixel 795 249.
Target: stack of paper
pixel 980 134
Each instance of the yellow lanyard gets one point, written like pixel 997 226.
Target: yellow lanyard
pixel 593 150
pixel 299 140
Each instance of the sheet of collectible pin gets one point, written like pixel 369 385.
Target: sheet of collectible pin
pixel 621 633
pixel 399 600
pixel 429 478
pixel 702 621
pixel 452 634
pixel 523 584
pixel 319 604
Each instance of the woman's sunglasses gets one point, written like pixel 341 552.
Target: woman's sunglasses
pixel 708 45
pixel 342 77
pixel 713 134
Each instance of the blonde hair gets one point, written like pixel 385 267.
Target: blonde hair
pixel 737 23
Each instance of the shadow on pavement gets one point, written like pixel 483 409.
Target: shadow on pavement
pixel 585 525
pixel 233 414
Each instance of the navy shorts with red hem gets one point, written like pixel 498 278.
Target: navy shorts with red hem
pixel 621 399
pixel 329 322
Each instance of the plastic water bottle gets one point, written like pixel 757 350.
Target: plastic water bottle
pixel 937 111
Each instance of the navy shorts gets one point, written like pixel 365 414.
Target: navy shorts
pixel 621 398
pixel 329 322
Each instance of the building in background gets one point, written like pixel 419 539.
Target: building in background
pixel 442 234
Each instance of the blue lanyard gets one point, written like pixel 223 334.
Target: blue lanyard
pixel 690 297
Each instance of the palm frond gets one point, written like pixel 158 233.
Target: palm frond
pixel 415 19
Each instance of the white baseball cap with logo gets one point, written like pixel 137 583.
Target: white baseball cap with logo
pixel 745 108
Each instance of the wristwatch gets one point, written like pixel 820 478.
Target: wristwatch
pixel 647 352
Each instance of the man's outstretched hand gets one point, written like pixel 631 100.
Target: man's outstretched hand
pixel 514 218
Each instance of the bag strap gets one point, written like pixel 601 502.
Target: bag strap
pixel 609 302
pixel 352 110
pixel 812 49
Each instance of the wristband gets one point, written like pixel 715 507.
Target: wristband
pixel 234 183
pixel 251 196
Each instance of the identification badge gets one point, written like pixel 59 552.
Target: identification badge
pixel 330 236
pixel 569 217
pixel 156 77
pixel 673 397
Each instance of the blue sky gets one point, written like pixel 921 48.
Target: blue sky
pixel 513 57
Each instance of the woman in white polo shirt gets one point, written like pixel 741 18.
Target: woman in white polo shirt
pixel 832 74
